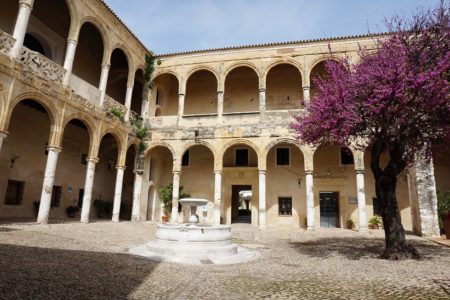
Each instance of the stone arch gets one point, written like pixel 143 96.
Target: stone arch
pixel 121 144
pixel 52 111
pixel 208 145
pixel 86 120
pixel 282 62
pixel 239 141
pixel 157 73
pixel 153 145
pixel 241 64
pixel 103 32
pixel 273 143
pixel 319 60
pixel 128 56
pixel 200 68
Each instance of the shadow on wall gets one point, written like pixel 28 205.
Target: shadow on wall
pixel 42 273
pixel 360 248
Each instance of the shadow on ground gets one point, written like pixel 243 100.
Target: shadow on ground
pixel 42 273
pixel 353 248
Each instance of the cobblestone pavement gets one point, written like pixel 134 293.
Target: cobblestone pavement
pixel 79 261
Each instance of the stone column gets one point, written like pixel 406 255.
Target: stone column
pixel 103 82
pixel 175 196
pixel 47 188
pixel 68 61
pixel 306 94
pixel 118 193
pixel 362 216
pixel 20 28
pixel 128 96
pixel 262 199
pixel 425 198
pixel 180 105
pixel 310 211
pixel 135 213
pixel 217 195
pixel 262 101
pixel 219 105
pixel 3 136
pixel 88 185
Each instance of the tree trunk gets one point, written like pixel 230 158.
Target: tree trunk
pixel 396 247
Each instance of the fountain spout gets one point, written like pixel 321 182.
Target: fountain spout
pixel 193 203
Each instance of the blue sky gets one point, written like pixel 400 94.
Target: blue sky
pixel 167 26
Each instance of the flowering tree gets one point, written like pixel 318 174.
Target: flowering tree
pixel 396 100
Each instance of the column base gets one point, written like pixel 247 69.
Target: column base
pixel 115 218
pixel 311 228
pixel 261 227
pixel 135 219
pixel 363 229
pixel 43 222
pixel 84 221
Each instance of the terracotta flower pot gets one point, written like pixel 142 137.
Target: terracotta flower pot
pixel 165 219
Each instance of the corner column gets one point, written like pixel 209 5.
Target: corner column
pixel 68 61
pixel 219 105
pixel 118 193
pixel 20 28
pixel 217 195
pixel 135 213
pixel 103 82
pixel 306 94
pixel 175 196
pixel 262 102
pixel 262 199
pixel 180 106
pixel 310 212
pixel 88 185
pixel 362 216
pixel 128 96
pixel 47 188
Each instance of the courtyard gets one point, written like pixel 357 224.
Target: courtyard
pixel 81 261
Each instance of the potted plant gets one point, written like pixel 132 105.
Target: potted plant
pixel 444 211
pixel 71 211
pixel 350 224
pixel 165 196
pixel 375 222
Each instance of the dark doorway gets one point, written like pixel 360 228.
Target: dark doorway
pixel 329 209
pixel 241 204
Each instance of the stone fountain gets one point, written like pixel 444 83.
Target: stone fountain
pixel 194 243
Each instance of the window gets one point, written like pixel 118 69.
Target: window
pixel 285 206
pixel 14 192
pixel 185 159
pixel 283 157
pixel 83 158
pixel 56 196
pixel 241 157
pixel 346 156
pixel 80 198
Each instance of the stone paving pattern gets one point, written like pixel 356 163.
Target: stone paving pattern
pixel 88 261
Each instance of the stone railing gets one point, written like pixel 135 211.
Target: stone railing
pixel 134 116
pixel 6 42
pixel 112 107
pixel 84 89
pixel 41 65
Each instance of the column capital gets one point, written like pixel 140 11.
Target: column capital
pixel 121 167
pixel 306 87
pixel 262 171
pixel 218 171
pixel 3 134
pixel 26 4
pixel 262 90
pixel 176 172
pixel 138 172
pixel 309 172
pixel 106 65
pixel 219 92
pixel 180 94
pixel 93 160
pixel 130 85
pixel 72 41
pixel 54 148
pixel 359 171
